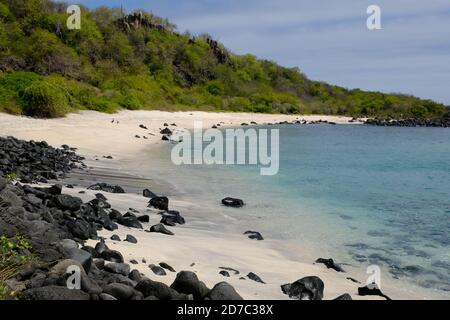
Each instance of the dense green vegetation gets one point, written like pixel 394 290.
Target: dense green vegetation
pixel 47 70
pixel 14 255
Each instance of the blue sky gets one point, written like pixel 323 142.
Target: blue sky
pixel 327 39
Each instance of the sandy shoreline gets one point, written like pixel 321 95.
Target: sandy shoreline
pixel 200 241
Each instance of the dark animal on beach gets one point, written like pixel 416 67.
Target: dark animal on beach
pixel 330 264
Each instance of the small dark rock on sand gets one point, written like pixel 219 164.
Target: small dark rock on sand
pixel 115 237
pixel 372 290
pixel 232 202
pixel 330 264
pixel 157 270
pixel 166 266
pixel 236 272
pixel 254 277
pixel 159 228
pixel 131 239
pixel 254 235
pixel 224 273
pixel 223 291
pixel 161 203
pixel 148 194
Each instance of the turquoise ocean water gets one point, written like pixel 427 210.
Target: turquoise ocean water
pixel 362 195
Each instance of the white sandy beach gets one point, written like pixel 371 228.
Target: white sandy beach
pixel 276 262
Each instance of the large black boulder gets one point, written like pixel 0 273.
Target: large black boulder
pixel 82 229
pixel 116 267
pixel 223 291
pixel 255 235
pixel 54 293
pixel 187 282
pixel 66 202
pixel 120 291
pixel 81 256
pixel 308 288
pixel 156 289
pixel 112 255
pixel 232 202
pixel 161 203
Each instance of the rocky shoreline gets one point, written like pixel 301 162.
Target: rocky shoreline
pixel 58 226
pixel 443 122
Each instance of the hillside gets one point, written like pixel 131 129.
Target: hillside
pixel 141 61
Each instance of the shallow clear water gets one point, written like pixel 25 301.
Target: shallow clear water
pixel 362 195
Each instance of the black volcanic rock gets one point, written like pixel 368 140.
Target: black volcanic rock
pixel 107 188
pixel 372 290
pixel 232 202
pixel 223 291
pixel 254 235
pixel 148 194
pixel 187 282
pixel 308 288
pixel 161 203
pixel 159 228
pixel 255 277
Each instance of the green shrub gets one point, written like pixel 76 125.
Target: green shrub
pixel 10 177
pixel 43 99
pixel 216 88
pixel 18 81
pixel 15 253
pixel 131 102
